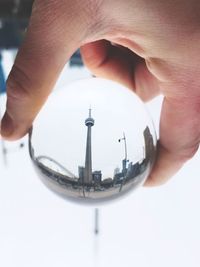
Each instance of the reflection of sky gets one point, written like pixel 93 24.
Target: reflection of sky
pixel 114 109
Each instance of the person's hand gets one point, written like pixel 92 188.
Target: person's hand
pixel 151 47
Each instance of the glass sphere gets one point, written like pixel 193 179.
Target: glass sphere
pixel 93 141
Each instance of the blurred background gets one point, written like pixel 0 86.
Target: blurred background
pixel 152 227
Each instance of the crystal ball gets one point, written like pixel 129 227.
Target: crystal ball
pixel 93 141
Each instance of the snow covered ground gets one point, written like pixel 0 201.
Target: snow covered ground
pixel 149 228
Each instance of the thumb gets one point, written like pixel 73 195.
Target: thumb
pixel 54 33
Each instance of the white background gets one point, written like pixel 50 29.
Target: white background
pixel 149 228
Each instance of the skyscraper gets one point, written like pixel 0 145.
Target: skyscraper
pixel 89 122
pixel 149 145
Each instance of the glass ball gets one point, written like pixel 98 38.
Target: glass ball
pixel 93 141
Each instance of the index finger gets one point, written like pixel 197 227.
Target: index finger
pixel 179 138
pixel 54 33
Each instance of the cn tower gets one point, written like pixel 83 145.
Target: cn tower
pixel 89 122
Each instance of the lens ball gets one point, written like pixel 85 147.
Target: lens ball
pixel 93 141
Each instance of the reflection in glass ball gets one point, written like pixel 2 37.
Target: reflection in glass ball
pixel 93 141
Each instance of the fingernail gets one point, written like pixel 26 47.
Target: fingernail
pixel 7 126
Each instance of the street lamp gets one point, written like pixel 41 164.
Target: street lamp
pixel 125 145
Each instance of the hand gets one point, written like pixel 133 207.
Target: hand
pixel 150 46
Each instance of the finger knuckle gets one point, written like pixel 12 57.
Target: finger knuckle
pixel 18 85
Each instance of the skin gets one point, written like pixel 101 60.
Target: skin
pixel 151 47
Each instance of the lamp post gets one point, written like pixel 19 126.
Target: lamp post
pixel 125 146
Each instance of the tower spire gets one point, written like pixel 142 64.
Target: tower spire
pixel 89 122
pixel 90 112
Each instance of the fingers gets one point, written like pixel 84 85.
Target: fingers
pixel 167 164
pixel 179 138
pixel 120 64
pixel 53 35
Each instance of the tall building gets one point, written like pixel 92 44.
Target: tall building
pixel 89 122
pixel 149 145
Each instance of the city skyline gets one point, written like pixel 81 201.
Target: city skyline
pixel 89 183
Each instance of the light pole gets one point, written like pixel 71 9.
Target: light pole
pixel 124 162
pixel 125 145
